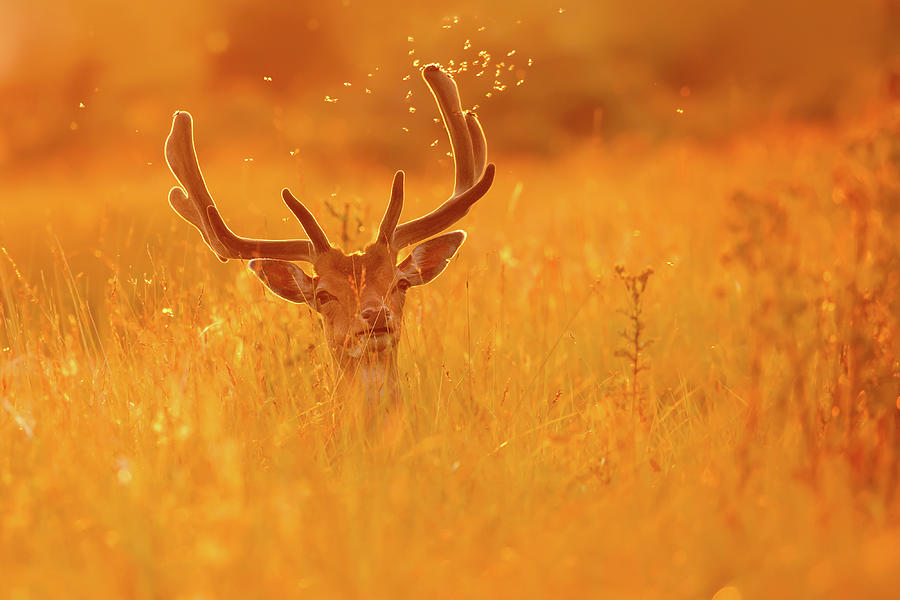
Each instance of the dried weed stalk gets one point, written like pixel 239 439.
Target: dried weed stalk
pixel 634 335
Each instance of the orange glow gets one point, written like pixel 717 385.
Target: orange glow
pixel 662 365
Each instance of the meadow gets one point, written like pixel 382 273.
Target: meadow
pixel 170 429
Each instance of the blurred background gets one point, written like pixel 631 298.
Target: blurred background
pixel 92 83
pixel 326 97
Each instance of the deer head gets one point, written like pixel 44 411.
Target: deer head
pixel 360 296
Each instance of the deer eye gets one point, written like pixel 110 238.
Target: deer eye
pixel 324 297
pixel 402 285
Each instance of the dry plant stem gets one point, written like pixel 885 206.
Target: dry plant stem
pixel 635 342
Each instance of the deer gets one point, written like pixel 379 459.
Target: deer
pixel 359 295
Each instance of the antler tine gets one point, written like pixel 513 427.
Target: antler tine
pixel 187 210
pixel 308 221
pixel 195 204
pixel 191 202
pixel 469 147
pixel 446 94
pixel 392 214
pixel 479 142
pixel 445 215
pixel 247 248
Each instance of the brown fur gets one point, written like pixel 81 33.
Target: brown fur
pixel 363 284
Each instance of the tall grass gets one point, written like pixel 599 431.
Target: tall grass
pixel 168 429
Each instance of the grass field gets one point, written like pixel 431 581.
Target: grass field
pixel 170 429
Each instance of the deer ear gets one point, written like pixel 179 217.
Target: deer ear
pixel 284 278
pixel 429 258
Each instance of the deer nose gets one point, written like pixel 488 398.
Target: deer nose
pixel 375 316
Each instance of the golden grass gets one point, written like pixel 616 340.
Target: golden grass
pixel 167 428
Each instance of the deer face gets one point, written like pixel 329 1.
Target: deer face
pixel 360 296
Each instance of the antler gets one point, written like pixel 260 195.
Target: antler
pixel 473 178
pixel 472 181
pixel 193 202
pixel 392 214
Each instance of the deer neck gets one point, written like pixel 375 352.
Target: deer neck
pixel 375 375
